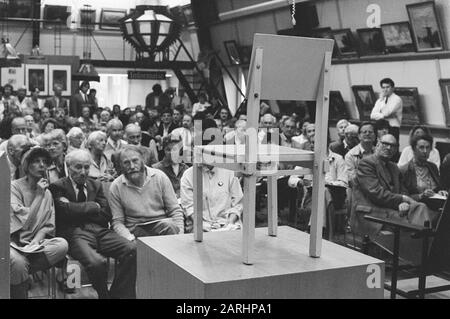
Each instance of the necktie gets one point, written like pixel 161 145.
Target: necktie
pixel 385 102
pixel 81 197
pixel 17 173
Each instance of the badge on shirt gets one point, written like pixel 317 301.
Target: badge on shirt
pixel 220 184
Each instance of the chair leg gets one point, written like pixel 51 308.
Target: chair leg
pixel 395 263
pixel 423 268
pixel 53 282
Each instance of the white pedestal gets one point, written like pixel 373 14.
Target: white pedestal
pixel 178 267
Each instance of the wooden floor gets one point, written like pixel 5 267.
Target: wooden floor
pixel 39 289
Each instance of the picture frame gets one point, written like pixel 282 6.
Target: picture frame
pixel 53 13
pixel 36 75
pixel 60 74
pixel 232 52
pixel 245 54
pixel 326 33
pixel 87 18
pixel 345 43
pixel 337 108
pixel 371 41
pixel 13 76
pixel 412 113
pixel 445 90
pixel 365 99
pixel 398 37
pixel 109 18
pixel 427 34
pixel 19 9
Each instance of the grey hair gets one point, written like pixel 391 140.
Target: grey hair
pixel 74 131
pixel 112 122
pixel 132 126
pixel 352 128
pixel 77 155
pixel 93 137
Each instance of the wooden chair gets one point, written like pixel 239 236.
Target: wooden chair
pixel 435 254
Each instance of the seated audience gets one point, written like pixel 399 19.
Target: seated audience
pixel 56 101
pixel 133 136
pixel 49 125
pixel 236 136
pixel 32 225
pixel 75 138
pixel 310 134
pixel 408 153
pixel 101 168
pixel 267 124
pixel 341 125
pixel 114 130
pixel 142 199
pixel 222 196
pixel 171 164
pixel 366 147
pixel 16 146
pixel 378 191
pixel 201 105
pixel 300 139
pixel 55 143
pixel 178 113
pixel 223 122
pixel 421 177
pixel 82 217
pixel 351 139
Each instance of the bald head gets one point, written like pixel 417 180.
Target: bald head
pixel 133 134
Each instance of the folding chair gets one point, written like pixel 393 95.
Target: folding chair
pixel 435 255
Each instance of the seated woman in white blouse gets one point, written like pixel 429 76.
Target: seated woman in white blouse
pixel 407 152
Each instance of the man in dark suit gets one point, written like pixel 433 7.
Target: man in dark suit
pixel 79 100
pixel 157 99
pixel 378 191
pixel 56 101
pixel 82 217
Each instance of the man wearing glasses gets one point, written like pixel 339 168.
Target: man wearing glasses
pixel 378 191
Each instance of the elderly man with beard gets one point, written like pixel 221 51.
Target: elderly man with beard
pixel 82 217
pixel 142 199
pixel 379 192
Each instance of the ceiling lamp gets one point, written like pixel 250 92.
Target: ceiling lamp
pixel 86 71
pixel 150 29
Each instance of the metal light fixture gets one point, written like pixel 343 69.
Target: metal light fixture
pixel 150 29
pixel 86 71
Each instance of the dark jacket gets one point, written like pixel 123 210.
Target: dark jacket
pixel 73 214
pixel 338 147
pixel 445 172
pixel 409 178
pixel 161 128
pixel 51 104
pixel 76 105
pixel 376 189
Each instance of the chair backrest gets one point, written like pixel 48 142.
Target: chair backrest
pixel 439 256
pixel 295 62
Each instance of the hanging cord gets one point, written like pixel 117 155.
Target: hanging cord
pixel 293 13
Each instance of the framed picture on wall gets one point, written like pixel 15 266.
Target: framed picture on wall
pixel 13 76
pixel 57 15
pixel 445 90
pixel 325 33
pixel 109 18
pixel 18 9
pixel 345 43
pixel 397 37
pixel 62 75
pixel 338 110
pixel 412 113
pixel 426 32
pixel 87 18
pixel 232 52
pixel 365 100
pixel 245 54
pixel 371 41
pixel 36 76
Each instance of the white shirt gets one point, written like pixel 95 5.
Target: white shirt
pixel 222 194
pixel 390 110
pixel 199 107
pixel 75 188
pixel 184 134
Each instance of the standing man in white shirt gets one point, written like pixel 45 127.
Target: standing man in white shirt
pixel 389 107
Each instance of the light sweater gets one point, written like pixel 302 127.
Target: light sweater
pixel 132 206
